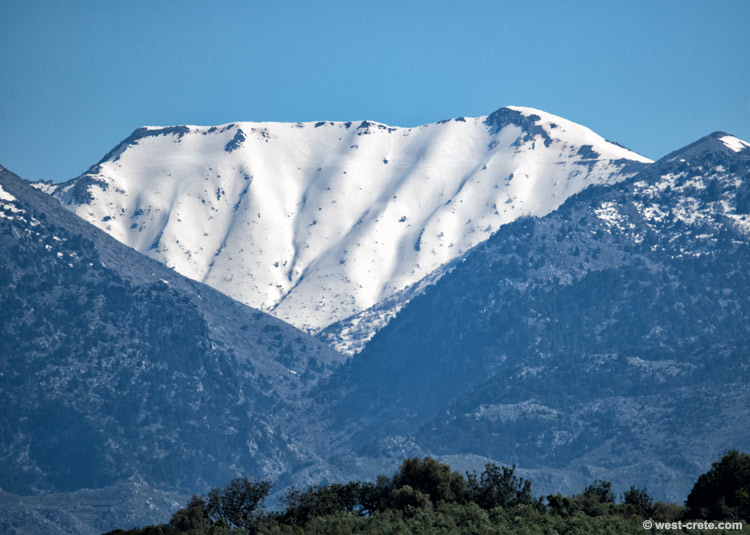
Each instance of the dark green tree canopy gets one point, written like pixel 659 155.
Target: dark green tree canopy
pixel 723 491
pixel 431 478
pixel 639 499
pixel 498 486
pixel 425 496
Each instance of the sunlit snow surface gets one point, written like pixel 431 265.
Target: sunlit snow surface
pixel 734 143
pixel 315 222
pixel 5 196
pixel 8 205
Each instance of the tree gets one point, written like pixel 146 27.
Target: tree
pixel 724 491
pixel 325 500
pixel 192 517
pixel 561 505
pixel 639 500
pixel 667 512
pixel 408 499
pixel 601 491
pixel 236 504
pixel 596 500
pixel 498 487
pixel 375 496
pixel 431 478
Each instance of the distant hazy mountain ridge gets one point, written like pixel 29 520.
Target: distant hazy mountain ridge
pixel 317 222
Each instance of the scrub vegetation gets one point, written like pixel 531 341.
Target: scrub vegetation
pixel 426 497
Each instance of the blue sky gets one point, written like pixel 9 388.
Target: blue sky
pixel 77 77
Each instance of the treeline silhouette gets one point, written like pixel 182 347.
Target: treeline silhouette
pixel 426 497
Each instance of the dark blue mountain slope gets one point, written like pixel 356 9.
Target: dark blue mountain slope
pixel 606 339
pixel 115 369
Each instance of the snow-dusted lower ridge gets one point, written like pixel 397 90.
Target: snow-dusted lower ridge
pixel 316 222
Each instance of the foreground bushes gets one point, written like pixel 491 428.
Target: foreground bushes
pixel 458 519
pixel 425 497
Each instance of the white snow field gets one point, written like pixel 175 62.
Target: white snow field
pixel 734 143
pixel 316 222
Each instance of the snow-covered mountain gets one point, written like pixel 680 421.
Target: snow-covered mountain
pixel 606 339
pixel 318 222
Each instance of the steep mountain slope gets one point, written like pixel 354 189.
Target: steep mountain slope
pixel 607 339
pixel 316 222
pixel 116 369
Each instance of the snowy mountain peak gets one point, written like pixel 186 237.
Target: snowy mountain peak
pixel 316 222
pixel 549 127
pixel 716 145
pixel 140 133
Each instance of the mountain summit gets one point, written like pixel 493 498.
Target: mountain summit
pixel 317 222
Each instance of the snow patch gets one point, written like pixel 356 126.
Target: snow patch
pixel 608 213
pixel 5 196
pixel 734 143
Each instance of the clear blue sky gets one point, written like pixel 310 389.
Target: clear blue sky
pixel 77 77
